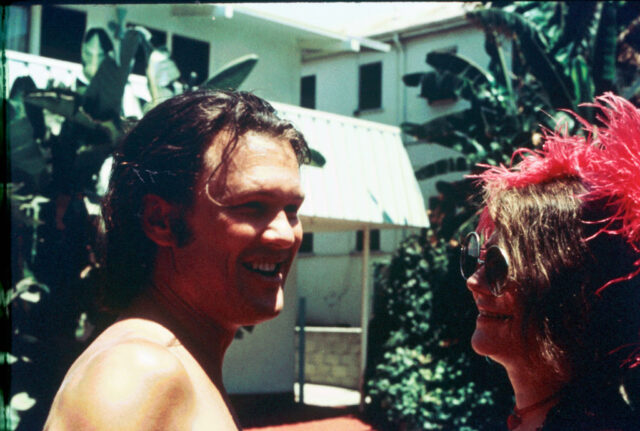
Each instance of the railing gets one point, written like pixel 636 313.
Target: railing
pixel 51 73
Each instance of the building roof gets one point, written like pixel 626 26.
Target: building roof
pixel 364 19
pixel 367 179
pixel 313 40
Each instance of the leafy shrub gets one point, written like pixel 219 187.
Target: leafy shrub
pixel 422 373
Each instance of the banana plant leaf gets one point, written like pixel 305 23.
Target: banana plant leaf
pixel 66 103
pixel 440 86
pixel 460 66
pixel 161 73
pixel 581 22
pixel 231 75
pixel 316 158
pixel 499 69
pixel 533 47
pixel 24 152
pixel 103 98
pixel 581 76
pixel 413 79
pixel 444 166
pixel 438 129
pixel 605 50
pixel 58 101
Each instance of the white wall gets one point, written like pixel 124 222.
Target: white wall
pixel 330 277
pixel 262 361
pixel 337 88
pixel 276 76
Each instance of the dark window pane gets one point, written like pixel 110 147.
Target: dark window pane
pixel 370 91
pixel 374 240
pixel 191 55
pixel 308 92
pixel 158 39
pixel 61 33
pixel 307 243
pixel 18 28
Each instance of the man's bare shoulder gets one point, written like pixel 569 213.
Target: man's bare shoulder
pixel 127 379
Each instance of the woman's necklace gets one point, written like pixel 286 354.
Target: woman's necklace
pixel 515 418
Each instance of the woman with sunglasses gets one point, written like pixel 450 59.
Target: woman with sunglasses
pixel 554 271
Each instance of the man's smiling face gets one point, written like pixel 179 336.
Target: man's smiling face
pixel 245 232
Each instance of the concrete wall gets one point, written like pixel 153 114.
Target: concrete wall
pixel 332 356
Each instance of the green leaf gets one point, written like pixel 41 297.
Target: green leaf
pixel 58 101
pixel 444 166
pixel 316 158
pixel 462 67
pixel 22 401
pixel 582 82
pixel 231 75
pixel 161 73
pixel 533 48
pixel 25 153
pixel 605 50
pixel 413 79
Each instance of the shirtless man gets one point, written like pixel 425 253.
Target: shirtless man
pixel 201 229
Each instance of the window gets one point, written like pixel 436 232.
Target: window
pixel 370 90
pixel 308 92
pixel 158 39
pixel 18 28
pixel 191 56
pixel 61 33
pixel 374 240
pixel 307 243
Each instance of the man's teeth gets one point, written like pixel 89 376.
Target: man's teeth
pixel 264 267
pixel 493 315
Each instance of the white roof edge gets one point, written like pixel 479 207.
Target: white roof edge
pixel 362 41
pixel 446 24
pixel 334 117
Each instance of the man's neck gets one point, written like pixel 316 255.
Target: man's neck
pixel 206 341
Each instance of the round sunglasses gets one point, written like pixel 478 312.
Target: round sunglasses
pixel 496 263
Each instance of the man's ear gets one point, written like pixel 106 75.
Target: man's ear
pixel 157 215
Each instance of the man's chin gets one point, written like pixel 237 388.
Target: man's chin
pixel 266 309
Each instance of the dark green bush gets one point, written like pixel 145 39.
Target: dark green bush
pixel 422 373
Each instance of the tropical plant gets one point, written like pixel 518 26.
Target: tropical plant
pixel 544 57
pixel 426 377
pixel 58 139
pixel 562 55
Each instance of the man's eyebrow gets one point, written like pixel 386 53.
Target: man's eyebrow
pixel 237 195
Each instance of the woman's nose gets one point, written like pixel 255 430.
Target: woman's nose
pixel 477 282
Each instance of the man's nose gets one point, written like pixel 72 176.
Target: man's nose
pixel 281 231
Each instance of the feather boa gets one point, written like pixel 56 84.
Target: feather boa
pixel 607 160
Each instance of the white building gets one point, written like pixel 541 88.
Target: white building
pixel 368 84
pixel 367 183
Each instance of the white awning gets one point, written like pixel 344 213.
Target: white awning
pixel 367 179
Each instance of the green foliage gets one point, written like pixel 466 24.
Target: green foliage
pixel 544 57
pixel 232 74
pixel 58 140
pixel 424 375
pixel 562 55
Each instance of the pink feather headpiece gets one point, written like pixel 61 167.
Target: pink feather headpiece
pixel 607 161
